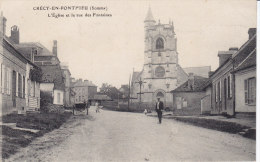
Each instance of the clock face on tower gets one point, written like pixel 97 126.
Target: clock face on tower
pixel 159 71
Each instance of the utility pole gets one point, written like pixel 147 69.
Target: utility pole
pixel 140 82
pixel 129 89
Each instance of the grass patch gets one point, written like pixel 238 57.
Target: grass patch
pixel 214 124
pixel 13 139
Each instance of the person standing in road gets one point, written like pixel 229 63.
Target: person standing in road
pixel 97 107
pixel 158 108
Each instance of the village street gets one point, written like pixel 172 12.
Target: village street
pixel 120 136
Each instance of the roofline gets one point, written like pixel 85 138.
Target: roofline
pixel 230 58
pixel 12 46
pixel 245 59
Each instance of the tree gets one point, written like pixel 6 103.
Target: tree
pixel 110 91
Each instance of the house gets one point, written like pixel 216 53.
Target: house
pixel 84 90
pixel 67 93
pixel 187 96
pixel 233 82
pixel 245 80
pixel 20 78
pixel 53 83
pixel 53 77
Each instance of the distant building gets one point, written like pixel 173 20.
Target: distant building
pixel 186 98
pixel 202 71
pixel 67 92
pixel 19 86
pixel 84 90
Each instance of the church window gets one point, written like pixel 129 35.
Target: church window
pixel 159 95
pixel 159 43
pixel 159 71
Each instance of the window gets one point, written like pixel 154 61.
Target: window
pixel 159 95
pixel 229 87
pixel 215 92
pixel 3 78
pixel 250 91
pixel 23 87
pixel 219 89
pixel 19 85
pixel 159 43
pixel 9 81
pixel 58 97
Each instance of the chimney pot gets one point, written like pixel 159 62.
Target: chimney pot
pixel 54 49
pixel 15 35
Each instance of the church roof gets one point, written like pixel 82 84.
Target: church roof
pixel 149 16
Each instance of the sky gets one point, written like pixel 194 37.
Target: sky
pixel 108 49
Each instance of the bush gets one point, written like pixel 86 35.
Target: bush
pixel 46 100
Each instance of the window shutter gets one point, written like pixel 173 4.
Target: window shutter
pixel 3 78
pixel 230 86
pixel 220 90
pixel 246 91
pixel 23 87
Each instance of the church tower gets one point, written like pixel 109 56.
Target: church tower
pixel 161 70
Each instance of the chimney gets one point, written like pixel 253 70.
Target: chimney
pixel 225 55
pixel 191 81
pixel 54 48
pixel 210 73
pixel 15 35
pixel 251 32
pixel 3 24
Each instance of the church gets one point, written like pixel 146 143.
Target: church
pixel 161 71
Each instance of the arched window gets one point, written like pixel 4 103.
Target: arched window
pixel 159 95
pixel 159 43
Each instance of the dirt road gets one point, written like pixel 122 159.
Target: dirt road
pixel 119 136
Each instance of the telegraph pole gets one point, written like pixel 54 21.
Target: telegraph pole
pixel 140 82
pixel 129 89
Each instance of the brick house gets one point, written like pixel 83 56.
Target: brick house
pixel 187 96
pixel 228 79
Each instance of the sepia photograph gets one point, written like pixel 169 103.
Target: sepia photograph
pixel 128 81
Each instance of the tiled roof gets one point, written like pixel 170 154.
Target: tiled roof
pixel 250 61
pixel 199 82
pixel 202 71
pixel 12 45
pixel 26 48
pixel 53 74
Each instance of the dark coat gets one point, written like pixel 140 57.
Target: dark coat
pixel 161 107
